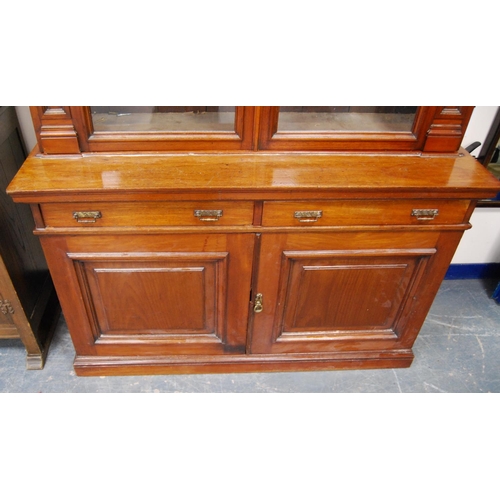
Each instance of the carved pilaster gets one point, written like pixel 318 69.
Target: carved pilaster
pixel 447 128
pixel 55 130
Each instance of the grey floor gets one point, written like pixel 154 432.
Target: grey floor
pixel 457 351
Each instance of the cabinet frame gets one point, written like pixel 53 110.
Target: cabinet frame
pixel 69 130
pixel 446 124
pixel 413 204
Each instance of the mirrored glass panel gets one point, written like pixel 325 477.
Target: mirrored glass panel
pixel 163 118
pixel 346 118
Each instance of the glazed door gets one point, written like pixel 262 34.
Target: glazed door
pixel 341 128
pixel 161 128
pixel 154 295
pixel 339 291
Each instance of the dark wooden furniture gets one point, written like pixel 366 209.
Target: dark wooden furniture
pixel 28 304
pixel 262 251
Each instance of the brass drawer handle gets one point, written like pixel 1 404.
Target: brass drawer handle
pixel 87 217
pixel 208 215
pixel 308 216
pixel 425 213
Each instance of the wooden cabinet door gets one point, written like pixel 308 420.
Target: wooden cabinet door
pixel 363 128
pixel 342 291
pixel 154 295
pixel 144 128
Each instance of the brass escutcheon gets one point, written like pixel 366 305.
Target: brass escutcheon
pixel 258 307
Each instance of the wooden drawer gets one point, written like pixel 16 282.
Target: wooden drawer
pixel 94 214
pixel 364 212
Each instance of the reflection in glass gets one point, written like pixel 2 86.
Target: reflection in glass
pixel 494 165
pixel 163 118
pixel 346 118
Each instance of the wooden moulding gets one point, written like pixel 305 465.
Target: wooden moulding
pixel 136 365
pixel 69 130
pixel 447 129
pixel 101 141
pixel 55 131
pixel 249 176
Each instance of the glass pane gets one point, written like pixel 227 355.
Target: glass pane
pixel 163 118
pixel 346 118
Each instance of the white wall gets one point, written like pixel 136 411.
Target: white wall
pixel 479 245
pixel 479 126
pixel 26 124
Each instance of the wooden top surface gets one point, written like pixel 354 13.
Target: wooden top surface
pixel 250 176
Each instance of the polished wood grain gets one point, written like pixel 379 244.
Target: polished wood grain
pixel 250 176
pixel 315 302
pixel 247 363
pixel 163 297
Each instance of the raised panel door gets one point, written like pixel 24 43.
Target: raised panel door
pixel 339 291
pixel 161 295
pixel 154 295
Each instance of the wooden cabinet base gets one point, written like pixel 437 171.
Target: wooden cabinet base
pixel 171 365
pixel 177 264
